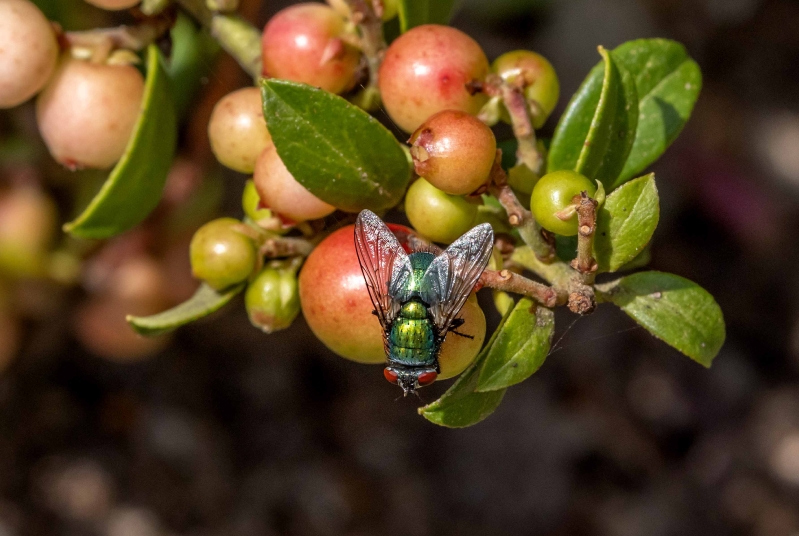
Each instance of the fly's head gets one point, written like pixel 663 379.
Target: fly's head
pixel 410 379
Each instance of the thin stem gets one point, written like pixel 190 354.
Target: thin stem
pixel 518 216
pixel 568 283
pixel 285 247
pixel 373 46
pixel 518 108
pixel 121 37
pixel 237 36
pixel 586 227
pixel 508 281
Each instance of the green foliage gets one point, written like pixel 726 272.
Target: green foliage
pixel 595 134
pixel 337 151
pixel 134 187
pixel 519 349
pixel 626 222
pixel 204 302
pixel 191 59
pixel 673 309
pixel 668 83
pixel 462 405
pixel 417 12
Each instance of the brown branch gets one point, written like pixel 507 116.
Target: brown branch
pixel 508 281
pixel 519 110
pixel 586 227
pixel 518 216
pixel 373 46
pixel 285 247
pixel 102 41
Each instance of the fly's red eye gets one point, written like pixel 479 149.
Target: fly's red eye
pixel 426 378
pixel 390 375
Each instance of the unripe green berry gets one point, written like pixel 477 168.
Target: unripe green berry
pixel 553 193
pixel 250 202
pixel 454 151
pixel 541 85
pixel 272 299
pixel 426 70
pixel 437 215
pixel 221 255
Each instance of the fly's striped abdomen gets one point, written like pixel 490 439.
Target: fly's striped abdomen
pixel 412 340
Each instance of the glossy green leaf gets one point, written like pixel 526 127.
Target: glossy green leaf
pixel 668 83
pixel 417 12
pixel 134 187
pixel 673 309
pixel 204 302
pixel 461 405
pixel 597 130
pixel 337 151
pixel 520 347
pixel 626 222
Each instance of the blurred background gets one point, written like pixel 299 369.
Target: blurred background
pixel 222 430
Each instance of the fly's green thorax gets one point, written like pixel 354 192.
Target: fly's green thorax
pixel 412 337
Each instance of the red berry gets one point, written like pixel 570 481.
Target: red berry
pixel 454 151
pixel 426 70
pixel 303 43
pixel 237 129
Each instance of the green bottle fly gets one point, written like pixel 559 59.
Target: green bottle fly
pixel 417 296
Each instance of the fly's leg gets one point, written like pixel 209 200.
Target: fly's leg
pixel 458 322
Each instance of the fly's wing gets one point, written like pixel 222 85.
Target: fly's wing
pixel 385 265
pixel 451 276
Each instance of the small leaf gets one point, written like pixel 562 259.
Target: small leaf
pixel 417 12
pixel 626 222
pixel 134 187
pixel 595 134
pixel 673 309
pixel 519 349
pixel 668 83
pixel 337 151
pixel 461 405
pixel 204 302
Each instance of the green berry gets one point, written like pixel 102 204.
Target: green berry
pixel 437 215
pixel 553 193
pixel 221 255
pixel 534 71
pixel 272 299
pixel 250 202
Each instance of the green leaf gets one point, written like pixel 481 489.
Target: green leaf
pixel 519 349
pixel 417 12
pixel 204 302
pixel 461 405
pixel 668 83
pixel 626 222
pixel 337 151
pixel 134 187
pixel 193 57
pixel 595 134
pixel 673 309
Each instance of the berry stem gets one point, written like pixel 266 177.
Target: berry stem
pixel 585 263
pixel 102 41
pixel 508 281
pixel 568 283
pixel 373 46
pixel 520 115
pixel 234 34
pixel 518 216
pixel 285 247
